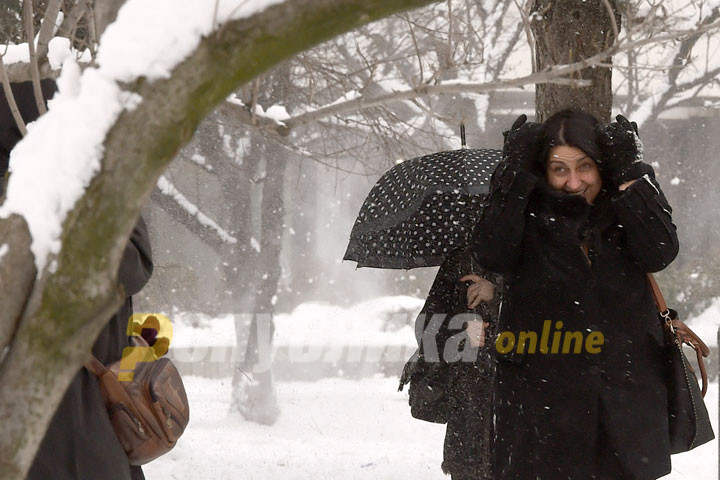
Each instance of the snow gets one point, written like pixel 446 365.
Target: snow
pixel 59 49
pixel 148 39
pixel 255 244
pixel 707 323
pixel 169 189
pixel 330 429
pixel 202 161
pixel 378 322
pixel 393 85
pixel 15 54
pixel 278 113
pixel 233 98
pixel 3 250
pixel 337 428
pixel 482 104
pixel 201 331
pixel 333 429
pixel 347 97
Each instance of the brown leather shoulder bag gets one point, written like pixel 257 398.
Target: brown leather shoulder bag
pixel 150 412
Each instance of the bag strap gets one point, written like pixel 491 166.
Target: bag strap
pixel 682 332
pixel 97 368
pixel 659 299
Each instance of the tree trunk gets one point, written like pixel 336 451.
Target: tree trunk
pixel 567 31
pixel 255 398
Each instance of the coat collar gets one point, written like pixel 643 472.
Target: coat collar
pixel 549 200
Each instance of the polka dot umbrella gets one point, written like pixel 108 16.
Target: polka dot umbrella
pixel 422 209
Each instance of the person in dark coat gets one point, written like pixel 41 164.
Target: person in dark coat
pixel 80 443
pixel 461 288
pixel 574 221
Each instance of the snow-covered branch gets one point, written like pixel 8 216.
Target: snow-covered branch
pixel 168 189
pixel 560 74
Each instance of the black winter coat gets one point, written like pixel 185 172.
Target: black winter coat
pixel 577 416
pixel 466 451
pixel 80 443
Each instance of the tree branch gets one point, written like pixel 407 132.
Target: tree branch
pixel 209 235
pixel 17 275
pixel 34 71
pixel 10 97
pixel 47 29
pixel 556 75
pixel 70 21
pixel 613 22
pixel 20 72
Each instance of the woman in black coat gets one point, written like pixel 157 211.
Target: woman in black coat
pixel 574 221
pixel 457 364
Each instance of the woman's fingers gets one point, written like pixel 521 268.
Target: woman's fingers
pixel 475 332
pixel 481 290
pixel 470 278
pixel 473 299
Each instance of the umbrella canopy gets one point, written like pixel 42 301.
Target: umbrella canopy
pixel 422 209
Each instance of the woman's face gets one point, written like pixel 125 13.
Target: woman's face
pixel 570 170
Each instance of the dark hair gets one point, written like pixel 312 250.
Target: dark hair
pixel 573 128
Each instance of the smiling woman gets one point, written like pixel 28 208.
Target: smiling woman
pixel 574 221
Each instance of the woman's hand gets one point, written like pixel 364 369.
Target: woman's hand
pixel 475 332
pixel 481 290
pixel 625 185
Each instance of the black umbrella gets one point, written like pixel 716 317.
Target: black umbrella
pixel 422 209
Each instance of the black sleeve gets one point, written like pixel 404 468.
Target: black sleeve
pixel 136 266
pixel 438 305
pixel 499 231
pixel 646 218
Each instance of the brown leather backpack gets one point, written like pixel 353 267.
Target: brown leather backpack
pixel 150 412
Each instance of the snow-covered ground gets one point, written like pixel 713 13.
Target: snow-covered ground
pixel 333 429
pixel 337 428
pixel 706 324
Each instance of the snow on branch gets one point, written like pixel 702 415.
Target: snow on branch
pixel 53 165
pixel 169 189
pixel 558 74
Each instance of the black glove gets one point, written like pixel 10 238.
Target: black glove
pixel 522 145
pixel 622 151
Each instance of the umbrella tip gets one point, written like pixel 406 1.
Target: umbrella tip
pixel 462 135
